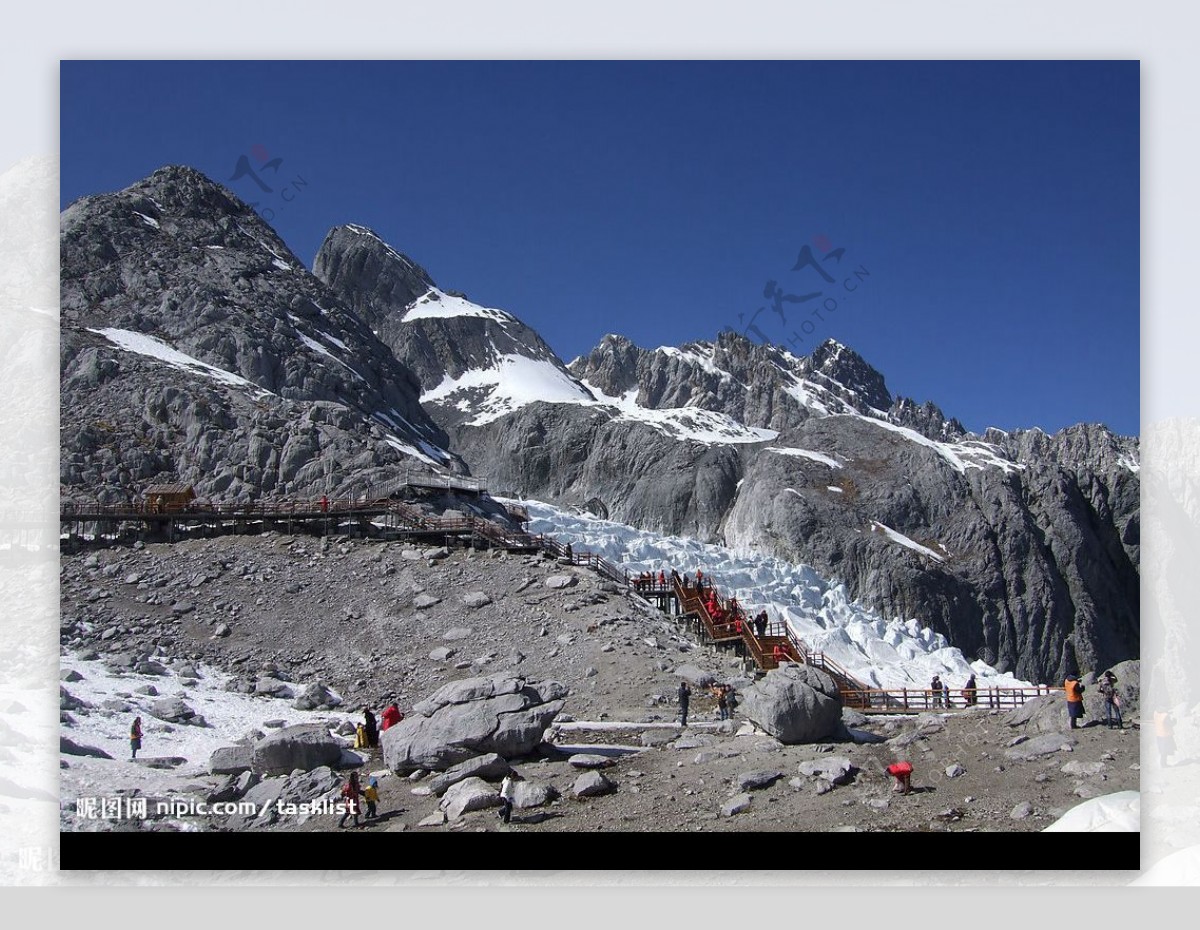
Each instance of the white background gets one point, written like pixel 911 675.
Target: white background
pixel 1162 35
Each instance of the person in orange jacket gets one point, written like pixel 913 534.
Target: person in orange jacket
pixel 1074 700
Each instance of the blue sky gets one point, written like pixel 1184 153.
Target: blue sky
pixel 993 205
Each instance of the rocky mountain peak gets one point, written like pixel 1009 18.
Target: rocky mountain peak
pixel 852 378
pixel 368 274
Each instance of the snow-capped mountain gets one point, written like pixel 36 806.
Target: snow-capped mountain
pixel 1021 548
pixel 195 347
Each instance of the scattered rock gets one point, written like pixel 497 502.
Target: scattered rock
pixel 1021 811
pixel 476 599
pixel 458 632
pixel 436 819
pixel 471 794
pixel 425 601
pixel 955 770
pixel 756 781
pixel 559 582
pixel 836 770
pixel 1083 768
pixel 592 784
pixel 738 804
pixel 71 748
pixel 442 654
pixel 316 695
pixel 488 767
pixel 588 760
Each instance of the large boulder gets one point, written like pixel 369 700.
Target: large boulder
pixel 795 704
pixel 304 746
pixel 495 714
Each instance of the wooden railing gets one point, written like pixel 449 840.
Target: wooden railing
pixel 917 700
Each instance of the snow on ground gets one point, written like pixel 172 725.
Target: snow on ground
pixel 893 653
pixel 807 454
pixel 229 715
pixel 436 304
pixel 142 344
pixel 906 541
pixel 148 220
pixel 1120 812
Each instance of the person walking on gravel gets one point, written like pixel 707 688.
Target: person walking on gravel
pixel 135 738
pixel 685 695
pixel 351 792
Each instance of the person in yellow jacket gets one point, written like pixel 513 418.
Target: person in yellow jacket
pixel 1074 700
pixel 371 796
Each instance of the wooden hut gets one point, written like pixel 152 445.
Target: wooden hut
pixel 168 498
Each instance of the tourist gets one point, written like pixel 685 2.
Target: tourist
pixel 1074 691
pixel 936 687
pixel 731 701
pixel 371 727
pixel 760 624
pixel 135 738
pixel 946 694
pixel 1112 700
pixel 722 702
pixel 902 772
pixel 392 716
pixel 371 796
pixel 685 695
pixel 969 692
pixel 351 791
pixel 507 793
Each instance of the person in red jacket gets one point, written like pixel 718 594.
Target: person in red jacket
pixel 391 716
pixel 902 772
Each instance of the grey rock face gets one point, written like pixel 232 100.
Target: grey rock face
pixel 466 718
pixel 305 746
pixel 286 391
pixel 795 704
